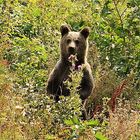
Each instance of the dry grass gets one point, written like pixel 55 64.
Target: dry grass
pixel 123 123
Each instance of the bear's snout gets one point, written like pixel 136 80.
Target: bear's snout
pixel 71 50
pixel 71 47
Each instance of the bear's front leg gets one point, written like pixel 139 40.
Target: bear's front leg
pixel 54 82
pixel 86 88
pixel 86 85
pixel 55 86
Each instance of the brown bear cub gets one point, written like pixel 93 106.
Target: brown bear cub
pixel 71 43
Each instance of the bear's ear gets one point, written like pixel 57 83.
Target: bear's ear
pixel 64 29
pixel 85 32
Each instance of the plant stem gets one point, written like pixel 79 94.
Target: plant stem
pixel 121 21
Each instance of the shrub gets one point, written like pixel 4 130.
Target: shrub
pixel 29 40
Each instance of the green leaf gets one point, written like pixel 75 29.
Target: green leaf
pixel 96 1
pixel 68 122
pixel 1 1
pixel 100 136
pixel 92 123
pixel 138 106
pixel 36 12
pixel 75 120
pixel 50 137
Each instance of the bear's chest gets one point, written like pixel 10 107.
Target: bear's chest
pixel 66 81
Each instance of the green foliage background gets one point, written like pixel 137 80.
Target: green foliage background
pixel 29 49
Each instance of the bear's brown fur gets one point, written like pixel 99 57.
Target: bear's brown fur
pixel 71 43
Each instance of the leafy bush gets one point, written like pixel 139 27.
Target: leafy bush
pixel 29 40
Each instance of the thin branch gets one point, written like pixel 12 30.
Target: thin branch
pixel 123 1
pixel 120 17
pixel 121 22
pixel 117 10
pixel 117 1
pixel 123 12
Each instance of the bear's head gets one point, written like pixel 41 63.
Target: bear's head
pixel 74 43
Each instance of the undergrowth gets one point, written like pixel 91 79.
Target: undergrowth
pixel 29 40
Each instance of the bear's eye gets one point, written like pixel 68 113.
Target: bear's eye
pixel 77 42
pixel 68 41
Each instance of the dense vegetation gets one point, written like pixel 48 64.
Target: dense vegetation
pixel 29 49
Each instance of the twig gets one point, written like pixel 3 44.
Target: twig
pixel 123 1
pixel 123 11
pixel 117 10
pixel 120 18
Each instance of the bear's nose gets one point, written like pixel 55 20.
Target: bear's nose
pixel 71 50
